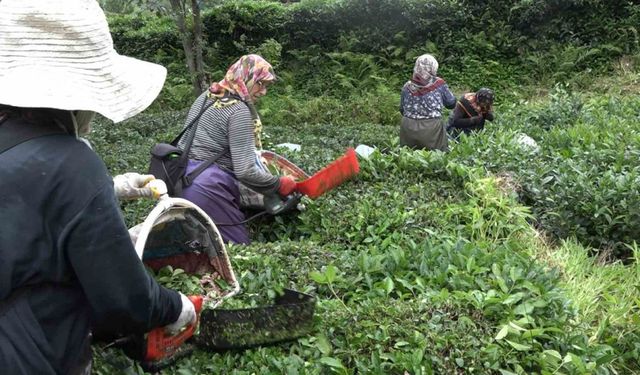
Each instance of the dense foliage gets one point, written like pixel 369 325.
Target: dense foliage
pixel 582 181
pixel 337 46
pixel 427 263
pixel 474 261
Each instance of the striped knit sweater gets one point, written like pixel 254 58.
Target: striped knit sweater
pixel 229 128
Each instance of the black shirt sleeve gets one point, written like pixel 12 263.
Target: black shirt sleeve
pixel 467 123
pixel 123 297
pixel 461 120
pixel 489 116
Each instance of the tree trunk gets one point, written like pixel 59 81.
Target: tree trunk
pixel 200 80
pixel 191 42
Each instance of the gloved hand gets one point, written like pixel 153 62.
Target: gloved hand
pixel 488 116
pixel 132 185
pixel 187 316
pixel 287 186
pixel 477 121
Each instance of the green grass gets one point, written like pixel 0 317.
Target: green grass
pixel 604 294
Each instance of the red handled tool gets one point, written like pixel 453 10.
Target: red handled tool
pixel 330 176
pixel 290 317
pixel 162 348
pixel 334 174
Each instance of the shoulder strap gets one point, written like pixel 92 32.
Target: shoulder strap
pixel 205 105
pixel 187 180
pixel 13 133
pixel 467 107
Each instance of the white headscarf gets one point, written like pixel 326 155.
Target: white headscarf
pixel 424 74
pixel 425 70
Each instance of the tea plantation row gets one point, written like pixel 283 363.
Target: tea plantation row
pixel 432 263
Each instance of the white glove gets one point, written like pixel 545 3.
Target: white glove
pixel 187 316
pixel 132 185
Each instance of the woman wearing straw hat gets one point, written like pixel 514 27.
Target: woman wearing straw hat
pixel 422 101
pixel 231 128
pixel 67 260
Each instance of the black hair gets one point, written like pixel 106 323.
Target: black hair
pixel 485 95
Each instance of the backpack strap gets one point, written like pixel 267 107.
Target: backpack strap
pixel 187 180
pixel 205 105
pixel 467 107
pixel 13 133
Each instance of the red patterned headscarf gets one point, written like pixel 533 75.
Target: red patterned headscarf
pixel 248 71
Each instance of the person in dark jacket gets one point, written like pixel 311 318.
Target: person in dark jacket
pixel 422 100
pixel 471 112
pixel 68 263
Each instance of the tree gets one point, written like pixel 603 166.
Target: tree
pixel 189 21
pixel 186 13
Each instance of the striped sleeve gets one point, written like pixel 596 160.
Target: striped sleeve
pixel 243 153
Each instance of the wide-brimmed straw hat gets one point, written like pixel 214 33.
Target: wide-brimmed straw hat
pixel 59 54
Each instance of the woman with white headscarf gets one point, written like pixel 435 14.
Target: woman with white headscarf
pixel 68 263
pixel 422 100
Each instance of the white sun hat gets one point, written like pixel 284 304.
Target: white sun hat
pixel 59 54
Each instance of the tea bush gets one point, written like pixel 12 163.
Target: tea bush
pixel 426 263
pixel 473 261
pixel 581 182
pixel 423 268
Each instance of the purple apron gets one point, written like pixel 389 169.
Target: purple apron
pixel 216 193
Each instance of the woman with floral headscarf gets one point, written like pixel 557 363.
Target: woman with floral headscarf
pixel 230 128
pixel 422 101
